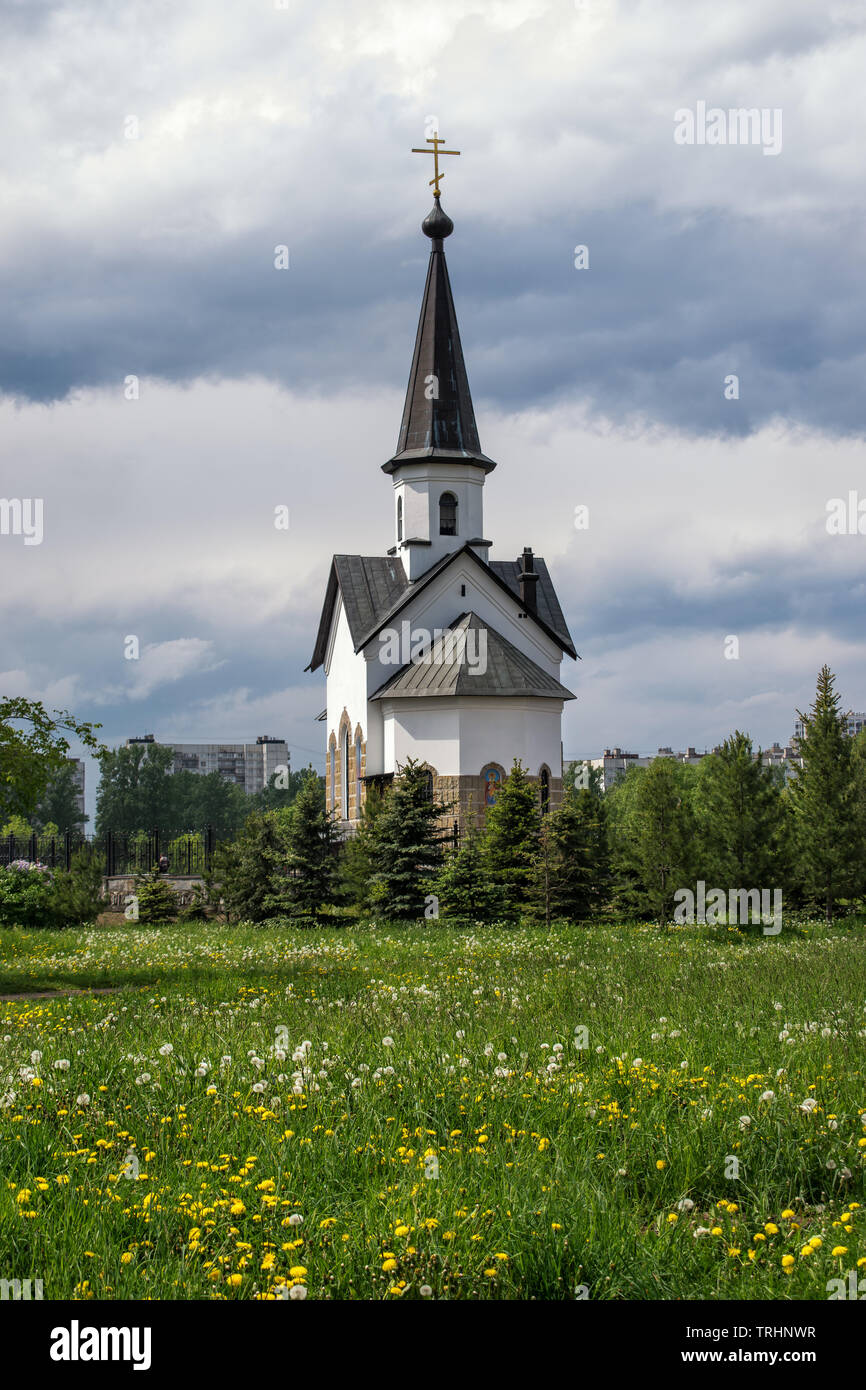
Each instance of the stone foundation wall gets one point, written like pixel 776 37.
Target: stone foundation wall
pixel 467 795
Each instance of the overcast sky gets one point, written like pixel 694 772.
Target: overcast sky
pixel 155 155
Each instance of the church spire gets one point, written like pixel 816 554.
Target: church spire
pixel 438 418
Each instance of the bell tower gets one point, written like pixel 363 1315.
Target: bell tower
pixel 438 469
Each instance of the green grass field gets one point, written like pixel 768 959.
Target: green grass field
pixel 608 1112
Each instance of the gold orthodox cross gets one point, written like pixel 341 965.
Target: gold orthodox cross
pixel 435 142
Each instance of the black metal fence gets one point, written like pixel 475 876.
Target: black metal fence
pixel 137 852
pixel 141 851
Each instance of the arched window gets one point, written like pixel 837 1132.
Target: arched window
pixel 344 775
pixel 448 514
pixel 333 752
pixel 544 779
pixel 357 776
pixel 428 793
pixel 399 519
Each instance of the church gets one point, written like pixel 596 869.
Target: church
pixel 435 651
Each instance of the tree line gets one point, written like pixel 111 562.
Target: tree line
pixel 732 821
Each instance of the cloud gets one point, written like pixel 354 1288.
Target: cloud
pixel 159 664
pixel 154 256
pixel 255 127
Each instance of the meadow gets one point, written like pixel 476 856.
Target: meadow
pixel 383 1112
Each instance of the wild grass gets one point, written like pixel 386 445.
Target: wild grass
pixel 607 1112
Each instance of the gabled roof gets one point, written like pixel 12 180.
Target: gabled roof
pixel 438 422
pixel 485 663
pixel 374 590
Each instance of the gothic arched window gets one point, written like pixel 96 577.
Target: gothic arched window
pixel 333 779
pixel 357 776
pixel 448 514
pixel 344 778
pixel 399 519
pixel 545 791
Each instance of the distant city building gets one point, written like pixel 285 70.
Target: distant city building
pixel 855 723
pixel 249 765
pixel 615 763
pixel 78 781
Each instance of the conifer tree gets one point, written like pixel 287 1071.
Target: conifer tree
pixel 248 873
pixel 823 799
pixel 662 832
pixel 463 886
pixel 358 859
pixel 858 768
pixel 580 869
pixel 408 851
pixel 511 838
pixel 739 809
pixel 311 842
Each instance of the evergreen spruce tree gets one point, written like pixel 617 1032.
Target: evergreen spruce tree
pixel 580 873
pixel 511 839
pixel 250 872
pixel 627 890
pixel 661 829
pixel 311 845
pixel 823 798
pixel 738 808
pixel 408 851
pixel 358 859
pixel 465 891
pixel 858 768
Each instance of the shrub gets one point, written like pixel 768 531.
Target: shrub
pixel 197 909
pixel 157 901
pixel 77 894
pixel 25 895
pixel 250 873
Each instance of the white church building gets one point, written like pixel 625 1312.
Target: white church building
pixel 435 651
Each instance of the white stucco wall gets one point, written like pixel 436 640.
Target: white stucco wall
pixel 346 676
pixel 459 736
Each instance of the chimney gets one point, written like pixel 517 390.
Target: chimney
pixel 528 581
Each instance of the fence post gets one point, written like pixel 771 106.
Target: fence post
pixel 188 855
pixel 208 846
pixel 33 848
pixel 109 847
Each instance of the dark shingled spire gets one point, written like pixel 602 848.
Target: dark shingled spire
pixel 442 426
